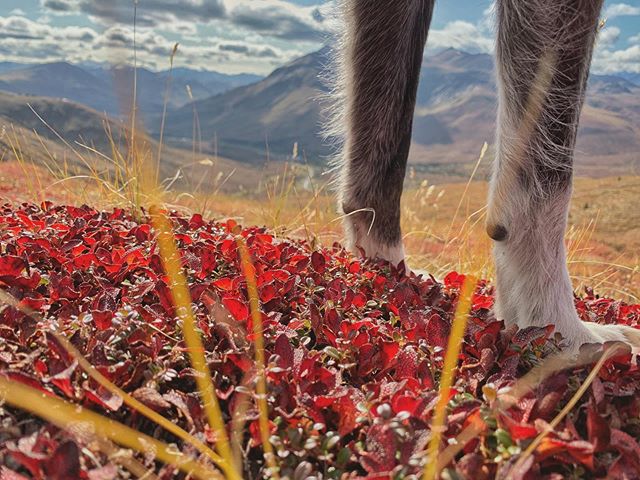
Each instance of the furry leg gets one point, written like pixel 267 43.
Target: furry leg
pixel 543 52
pixel 378 70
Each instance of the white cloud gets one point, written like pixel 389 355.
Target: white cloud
pixel 621 9
pixel 22 28
pixel 17 12
pixel 149 12
pixel 608 36
pixel 165 15
pixel 607 59
pixel 626 60
pixel 258 35
pixel 27 41
pixel 272 18
pixel 278 19
pixel 463 36
pixel 233 35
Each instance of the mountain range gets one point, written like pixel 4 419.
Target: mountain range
pixel 251 119
pixel 108 88
pixel 72 139
pixel 455 115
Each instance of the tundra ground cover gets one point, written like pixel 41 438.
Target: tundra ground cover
pixel 354 353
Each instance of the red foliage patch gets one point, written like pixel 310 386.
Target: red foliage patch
pixel 354 353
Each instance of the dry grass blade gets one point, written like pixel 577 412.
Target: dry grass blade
pixel 523 386
pixel 165 103
pixel 107 384
pixel 80 421
pixel 449 453
pixel 608 353
pixel 256 318
pixel 448 375
pixel 125 458
pixel 483 151
pixel 182 301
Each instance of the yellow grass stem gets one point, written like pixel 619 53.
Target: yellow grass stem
pixel 483 151
pixel 182 301
pixel 449 453
pixel 124 458
pixel 80 421
pixel 511 396
pixel 14 145
pixel 606 355
pixel 448 375
pixel 165 103
pixel 137 405
pixel 114 389
pixel 256 318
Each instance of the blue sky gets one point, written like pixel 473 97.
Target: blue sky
pixel 247 35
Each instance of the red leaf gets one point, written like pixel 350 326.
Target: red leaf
pixel 491 330
pixel 404 403
pixel 437 331
pixel 62 380
pixel 389 352
pixel 11 265
pixel 102 319
pixel 268 292
pixel 318 262
pixel 27 458
pixel 579 450
pixel 284 350
pixel 482 301
pixel 196 221
pixel 238 310
pixel 64 464
pixel 359 300
pixel 225 284
pixel 381 450
pixel 627 446
pixel 241 360
pixel 454 280
pixel 517 430
pixel 164 295
pixel 348 413
pixel 407 364
pixel 598 429
pixel 85 261
pixel 254 429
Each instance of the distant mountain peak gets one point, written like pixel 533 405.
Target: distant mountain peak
pixel 451 52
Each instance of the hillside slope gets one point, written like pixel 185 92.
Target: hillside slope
pixel 454 116
pixel 270 115
pixel 70 126
pixel 108 89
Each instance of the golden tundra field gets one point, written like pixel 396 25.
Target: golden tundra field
pixel 443 223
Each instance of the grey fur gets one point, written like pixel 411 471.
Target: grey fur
pixel 543 51
pixel 379 62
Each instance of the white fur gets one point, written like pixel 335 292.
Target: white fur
pixel 530 188
pixel 533 287
pixel 394 254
